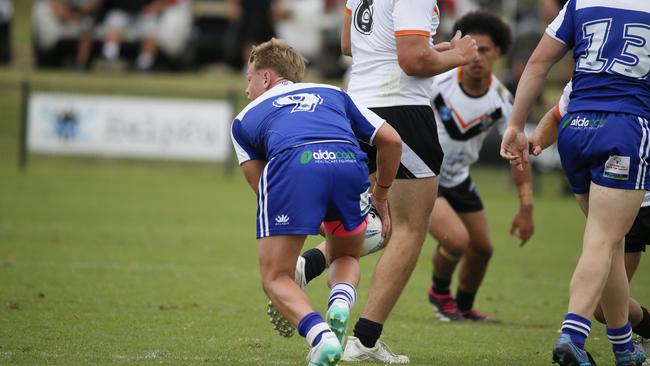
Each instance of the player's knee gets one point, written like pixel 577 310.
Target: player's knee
pixel 482 250
pixel 454 246
pixel 270 278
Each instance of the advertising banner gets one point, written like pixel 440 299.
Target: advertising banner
pixel 135 127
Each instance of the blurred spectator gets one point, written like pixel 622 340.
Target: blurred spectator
pixel 252 22
pixel 548 9
pixel 302 28
pixel 80 14
pixel 6 14
pixel 450 11
pixel 142 17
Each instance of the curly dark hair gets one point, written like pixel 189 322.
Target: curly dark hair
pixel 483 22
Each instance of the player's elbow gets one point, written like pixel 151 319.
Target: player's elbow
pixel 389 140
pixel 346 50
pixel 411 65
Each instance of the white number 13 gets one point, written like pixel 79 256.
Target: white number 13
pixel 636 50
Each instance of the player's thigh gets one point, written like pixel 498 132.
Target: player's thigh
pixel 278 254
pixel 447 227
pixel 344 245
pixel 411 202
pixel 612 211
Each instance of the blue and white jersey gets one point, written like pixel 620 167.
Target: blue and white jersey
pixel 291 115
pixel 611 48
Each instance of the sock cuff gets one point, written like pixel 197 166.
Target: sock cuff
pixel 440 284
pixel 308 321
pixel 368 332
pixel 576 323
pixel 620 333
pixel 578 318
pixel 344 291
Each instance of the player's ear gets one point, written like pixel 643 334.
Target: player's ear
pixel 267 78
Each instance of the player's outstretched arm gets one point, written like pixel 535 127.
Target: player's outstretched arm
pixel 545 133
pixel 522 224
pixel 514 146
pixel 346 42
pixel 389 153
pixel 417 58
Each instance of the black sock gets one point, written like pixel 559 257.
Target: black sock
pixel 465 300
pixel 643 328
pixel 440 286
pixel 315 263
pixel 368 332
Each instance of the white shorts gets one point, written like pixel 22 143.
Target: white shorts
pixel 142 25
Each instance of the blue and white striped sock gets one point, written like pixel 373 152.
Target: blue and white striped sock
pixel 621 338
pixel 343 293
pixel 577 328
pixel 312 327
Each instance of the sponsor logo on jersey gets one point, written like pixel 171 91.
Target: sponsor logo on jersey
pixel 301 102
pixel 583 122
pixel 282 220
pixel 363 17
pixel 326 156
pixel 305 157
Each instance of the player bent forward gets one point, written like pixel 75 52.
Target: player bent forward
pixel 297 146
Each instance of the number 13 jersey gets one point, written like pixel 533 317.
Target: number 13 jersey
pixel 611 49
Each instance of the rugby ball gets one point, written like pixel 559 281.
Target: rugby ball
pixel 373 241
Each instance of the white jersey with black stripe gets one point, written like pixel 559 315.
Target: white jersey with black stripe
pixel 376 79
pixel 464 122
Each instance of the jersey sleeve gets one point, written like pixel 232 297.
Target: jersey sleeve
pixel 563 104
pixel 563 27
pixel 365 123
pixel 243 146
pixel 414 17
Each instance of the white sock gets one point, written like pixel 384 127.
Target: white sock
pixel 111 50
pixel 145 61
pixel 342 293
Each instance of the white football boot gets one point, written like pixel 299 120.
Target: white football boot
pixel 327 352
pixel 356 351
pixel 645 343
pixel 282 325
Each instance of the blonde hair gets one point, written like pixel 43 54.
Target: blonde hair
pixel 278 56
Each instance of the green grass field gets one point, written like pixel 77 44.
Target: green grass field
pixel 132 262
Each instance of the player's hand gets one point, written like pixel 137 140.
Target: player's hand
pixel 534 146
pixel 514 148
pixel 522 224
pixel 442 46
pixel 381 205
pixel 465 47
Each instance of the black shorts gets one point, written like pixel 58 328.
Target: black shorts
pixel 463 198
pixel 639 235
pixel 421 151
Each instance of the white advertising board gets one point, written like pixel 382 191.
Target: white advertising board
pixel 137 127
